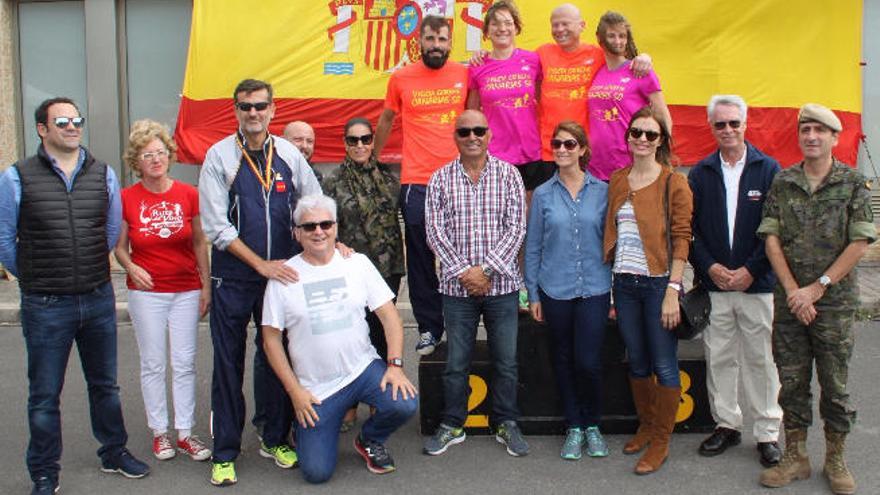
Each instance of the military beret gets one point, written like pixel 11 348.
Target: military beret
pixel 813 112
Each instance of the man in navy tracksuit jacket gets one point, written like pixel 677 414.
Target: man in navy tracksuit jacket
pixel 729 188
pixel 248 188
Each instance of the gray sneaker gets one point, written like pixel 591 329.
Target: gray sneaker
pixel 596 446
pixel 508 433
pixel 574 444
pixel 443 438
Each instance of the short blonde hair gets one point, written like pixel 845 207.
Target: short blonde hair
pixel 143 132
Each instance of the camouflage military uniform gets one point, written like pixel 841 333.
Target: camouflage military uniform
pixel 366 198
pixel 814 228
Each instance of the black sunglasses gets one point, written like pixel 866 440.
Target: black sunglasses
pixel 366 139
pixel 464 132
pixel 719 126
pixel 246 107
pixel 649 135
pixel 311 226
pixel 569 144
pixel 63 122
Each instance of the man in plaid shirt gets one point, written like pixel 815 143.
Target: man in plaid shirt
pixel 475 221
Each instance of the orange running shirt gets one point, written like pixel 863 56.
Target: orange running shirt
pixel 567 79
pixel 428 102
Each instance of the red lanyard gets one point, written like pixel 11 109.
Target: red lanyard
pixel 267 181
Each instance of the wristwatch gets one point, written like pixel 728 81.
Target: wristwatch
pixel 824 281
pixel 675 285
pixel 487 271
pixel 396 362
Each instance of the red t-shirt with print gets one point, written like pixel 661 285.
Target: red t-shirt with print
pixel 161 236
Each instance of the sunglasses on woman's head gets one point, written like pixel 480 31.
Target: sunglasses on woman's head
pixel 649 135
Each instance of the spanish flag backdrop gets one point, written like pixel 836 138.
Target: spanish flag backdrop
pixel 330 61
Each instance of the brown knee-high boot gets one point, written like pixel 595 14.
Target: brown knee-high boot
pixel 643 397
pixel 666 400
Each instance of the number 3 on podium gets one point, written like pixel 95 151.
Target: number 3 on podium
pixel 686 403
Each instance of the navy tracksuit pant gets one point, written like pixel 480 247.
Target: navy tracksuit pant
pixel 234 303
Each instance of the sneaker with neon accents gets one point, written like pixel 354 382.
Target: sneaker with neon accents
pixel 284 456
pixel 223 474
pixel 596 446
pixel 194 448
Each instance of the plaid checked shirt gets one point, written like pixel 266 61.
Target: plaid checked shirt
pixel 472 224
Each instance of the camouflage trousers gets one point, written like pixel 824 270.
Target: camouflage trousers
pixel 829 342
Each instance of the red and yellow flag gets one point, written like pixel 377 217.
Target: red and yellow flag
pixel 330 60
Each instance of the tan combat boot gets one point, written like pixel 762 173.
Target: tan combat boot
pixel 795 465
pixel 839 478
pixel 643 398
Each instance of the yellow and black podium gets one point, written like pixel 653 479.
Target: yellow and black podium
pixel 540 412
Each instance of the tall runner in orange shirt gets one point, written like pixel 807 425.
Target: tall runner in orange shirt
pixel 568 67
pixel 429 95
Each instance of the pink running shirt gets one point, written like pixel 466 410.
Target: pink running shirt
pixel 507 96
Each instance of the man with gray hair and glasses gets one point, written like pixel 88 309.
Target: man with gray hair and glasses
pixel 729 187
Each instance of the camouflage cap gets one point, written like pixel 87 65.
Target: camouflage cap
pixel 813 112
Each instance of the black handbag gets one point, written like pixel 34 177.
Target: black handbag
pixel 694 305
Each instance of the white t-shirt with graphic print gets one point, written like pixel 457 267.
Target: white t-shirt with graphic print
pixel 329 340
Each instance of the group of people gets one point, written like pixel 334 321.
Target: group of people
pixel 500 182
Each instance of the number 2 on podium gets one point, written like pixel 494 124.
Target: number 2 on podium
pixel 479 391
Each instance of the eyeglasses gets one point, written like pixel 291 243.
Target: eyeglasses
pixel 719 126
pixel 464 132
pixel 150 155
pixel 311 226
pixel 63 122
pixel 366 139
pixel 569 144
pixel 246 107
pixel 651 136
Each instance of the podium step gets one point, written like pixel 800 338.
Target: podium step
pixel 538 399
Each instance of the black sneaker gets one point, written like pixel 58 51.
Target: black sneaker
pixel 378 459
pixel 125 464
pixel 45 486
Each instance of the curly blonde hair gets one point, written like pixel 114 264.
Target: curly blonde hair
pixel 143 132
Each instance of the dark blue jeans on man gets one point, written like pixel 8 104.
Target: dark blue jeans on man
pixel 578 329
pixel 421 271
pixel 650 348
pixel 51 324
pixel 317 446
pixel 500 316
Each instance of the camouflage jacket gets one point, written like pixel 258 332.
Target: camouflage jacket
pixel 366 198
pixel 815 227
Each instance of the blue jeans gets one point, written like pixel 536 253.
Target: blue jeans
pixel 578 327
pixel 317 446
pixel 51 324
pixel 462 314
pixel 650 348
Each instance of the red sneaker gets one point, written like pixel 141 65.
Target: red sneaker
pixel 162 448
pixel 194 448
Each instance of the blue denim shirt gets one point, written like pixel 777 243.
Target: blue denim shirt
pixel 564 241
pixel 10 199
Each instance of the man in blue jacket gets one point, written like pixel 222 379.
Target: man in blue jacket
pixel 249 185
pixel 729 188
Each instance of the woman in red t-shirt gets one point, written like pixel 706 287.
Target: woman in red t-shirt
pixel 163 250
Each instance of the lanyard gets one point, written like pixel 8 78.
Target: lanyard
pixel 267 181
